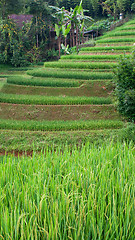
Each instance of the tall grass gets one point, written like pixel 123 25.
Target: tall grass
pixel 80 65
pixel 60 125
pixel 86 194
pixel 43 72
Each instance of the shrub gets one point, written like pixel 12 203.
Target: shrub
pixel 125 87
pixel 101 26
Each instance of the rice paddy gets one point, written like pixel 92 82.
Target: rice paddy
pixel 67 158
pixel 85 79
pixel 86 194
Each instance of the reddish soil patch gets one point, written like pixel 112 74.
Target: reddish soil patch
pixel 16 153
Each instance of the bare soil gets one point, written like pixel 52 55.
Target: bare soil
pixel 51 112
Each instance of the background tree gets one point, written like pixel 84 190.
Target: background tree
pixel 10 6
pixel 110 7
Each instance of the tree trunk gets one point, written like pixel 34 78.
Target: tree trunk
pixel 59 43
pixel 71 45
pixel 36 31
pixel 82 36
pixel 65 45
pixel 77 39
pixel 73 35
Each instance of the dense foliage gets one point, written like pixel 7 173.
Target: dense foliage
pixel 125 87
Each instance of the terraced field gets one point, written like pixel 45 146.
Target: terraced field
pixel 66 101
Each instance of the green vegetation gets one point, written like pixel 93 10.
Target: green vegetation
pixel 66 154
pixel 91 57
pixel 116 40
pixel 42 72
pixel 117 33
pixel 48 82
pixel 127 28
pixel 116 48
pixel 27 141
pixel 52 100
pixel 75 190
pixel 98 88
pixel 125 87
pixel 60 125
pixel 88 65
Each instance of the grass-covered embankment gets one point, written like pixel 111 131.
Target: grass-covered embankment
pixel 85 193
pixel 98 88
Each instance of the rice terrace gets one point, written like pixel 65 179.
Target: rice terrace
pixel 67 155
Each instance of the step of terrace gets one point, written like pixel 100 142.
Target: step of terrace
pixel 117 37
pixel 113 44
pixel 58 112
pixel 111 52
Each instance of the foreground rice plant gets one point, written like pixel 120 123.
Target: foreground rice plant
pixel 86 194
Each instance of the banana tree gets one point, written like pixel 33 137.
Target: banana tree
pixel 70 22
pixel 63 24
pixel 58 30
pixel 77 19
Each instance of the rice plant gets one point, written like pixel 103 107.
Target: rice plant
pixel 117 33
pixel 117 48
pixel 47 82
pixel 91 57
pixel 52 100
pixel 80 65
pixel 114 40
pixel 82 75
pixel 78 194
pixel 60 125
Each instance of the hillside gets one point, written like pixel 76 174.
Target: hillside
pixel 66 101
